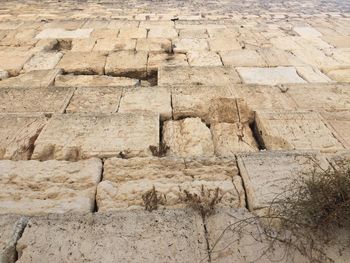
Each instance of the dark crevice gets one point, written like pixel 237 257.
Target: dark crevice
pixel 63 45
pixel 21 224
pixel 243 185
pixel 257 136
pixel 95 208
pixel 206 236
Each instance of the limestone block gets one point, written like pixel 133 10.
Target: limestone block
pixel 342 55
pixel 43 61
pixel 222 32
pixel 193 33
pixel 316 58
pixel 275 57
pixel 83 45
pixel 187 138
pixel 105 33
pixel 96 99
pixel 83 63
pixel 269 76
pixel 127 63
pixel 61 33
pixel 3 74
pixel 208 76
pixel 17 135
pixel 155 100
pixel 13 61
pixel 338 41
pixel 11 228
pixel 106 44
pixel 230 138
pixel 156 60
pixel 81 136
pixel 307 31
pixel 4 25
pixel 269 174
pixel 32 79
pixel 295 130
pixel 64 24
pixel 242 58
pixel 203 58
pixel 184 45
pixel 339 75
pixel 25 100
pixel 312 74
pixel 45 45
pixel 339 123
pixel 153 44
pixel 94 81
pixel 179 236
pixel 33 187
pixel 325 96
pixel 260 97
pixel 162 32
pixel 132 33
pixel 125 184
pixel 199 101
pixel 223 44
pixel 156 24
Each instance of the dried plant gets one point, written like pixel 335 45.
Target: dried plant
pixel 160 151
pixel 152 199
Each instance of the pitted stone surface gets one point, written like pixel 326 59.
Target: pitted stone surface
pixel 125 181
pixel 175 235
pixel 95 100
pixel 27 100
pixel 93 81
pixel 81 136
pixel 18 133
pixel 187 138
pixel 32 187
pixel 83 63
pixel 42 61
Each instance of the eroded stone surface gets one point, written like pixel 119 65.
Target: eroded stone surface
pixel 63 33
pixel 198 59
pixel 178 234
pixel 13 61
pixel 80 136
pixel 93 81
pixel 32 187
pixel 188 137
pixel 42 61
pixel 83 63
pixel 18 133
pixel 339 123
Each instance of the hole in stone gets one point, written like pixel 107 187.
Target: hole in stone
pixel 63 45
pixel 257 136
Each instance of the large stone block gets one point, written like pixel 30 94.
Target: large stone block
pixel 162 32
pixel 14 61
pixel 203 58
pixel 26 100
pixel 125 182
pixel 11 229
pixel 295 130
pixel 224 44
pixel 33 187
pixel 153 45
pixel 339 75
pixel 89 100
pixel 162 236
pixel 157 100
pixel 131 32
pixel 63 33
pixel 127 63
pixel 83 63
pixel 209 76
pixel 188 137
pixel 94 81
pixel 43 61
pixel 339 123
pixel 184 45
pixel 269 76
pixel 80 136
pixel 156 60
pixel 18 134
pixel 242 58
pixel 107 44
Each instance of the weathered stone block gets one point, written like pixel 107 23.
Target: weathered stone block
pixel 339 123
pixel 307 31
pixel 43 61
pixel 162 32
pixel 193 33
pixel 153 44
pixel 156 60
pixel 312 74
pixel 32 187
pixel 80 136
pixel 94 81
pixel 339 75
pixel 203 58
pixel 223 44
pixel 187 138
pixel 106 44
pixel 83 63
pixel 87 99
pixel 184 45
pixel 13 61
pixel 127 63
pixel 63 33
pixel 157 100
pixel 18 134
pixel 83 45
pixel 179 235
pixel 132 33
pixel 295 130
pixel 242 58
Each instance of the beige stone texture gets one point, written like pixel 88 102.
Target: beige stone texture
pixel 94 81
pixel 132 33
pixel 60 33
pixel 83 63
pixel 178 234
pixel 231 138
pixel 18 133
pixel 105 33
pixel 153 45
pixel 33 188
pixel 275 58
pixel 339 123
pixel 162 32
pixel 307 32
pixel 106 44
pixel 316 58
pixel 14 61
pixel 224 44
pixel 339 75
pixel 32 79
pixel 3 74
pixel 242 58
pixel 26 100
pixel 338 41
pixel 95 100
pixel 43 61
pixel 184 45
pixel 127 64
pixel 203 58
pixel 187 138
pixel 193 33
pixel 156 60
pixel 11 228
pixel 81 136
pixel 125 181
pixel 222 32
pixel 208 76
pixel 269 76
pixel 342 55
pixel 67 24
pixel 154 99
pixel 83 45
pixel 312 75
pixel 296 130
